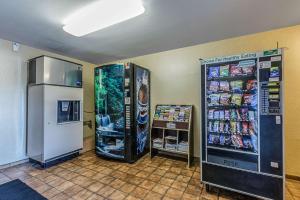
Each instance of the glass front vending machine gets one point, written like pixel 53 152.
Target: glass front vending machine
pixel 122 106
pixel 242 123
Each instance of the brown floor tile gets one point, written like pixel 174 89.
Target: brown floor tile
pixel 72 191
pixel 154 178
pixel 153 196
pixel 175 170
pixel 65 185
pixel 95 187
pixel 132 171
pixel 174 193
pixel 194 190
pixel 160 172
pixel 149 169
pixel 147 184
pixel 98 176
pixel 187 172
pixel 89 173
pixel 187 196
pixel 117 183
pixel 167 198
pixel 70 176
pixel 56 182
pixel 82 195
pixel 60 196
pixel 117 195
pixel 107 180
pixel 82 181
pixel 143 174
pixel 166 181
pixel 50 178
pixel 139 192
pixel 135 180
pixel 179 185
pixel 124 169
pixel 161 189
pixel 184 179
pixel 131 198
pixel 106 191
pixel 43 188
pixel 51 193
pixel 95 197
pixel 196 175
pixel 127 188
pixel 170 175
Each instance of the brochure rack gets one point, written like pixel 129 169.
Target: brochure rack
pixel 171 131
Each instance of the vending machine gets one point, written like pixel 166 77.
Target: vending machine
pixel 122 105
pixel 242 123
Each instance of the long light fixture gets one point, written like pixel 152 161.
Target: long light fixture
pixel 100 15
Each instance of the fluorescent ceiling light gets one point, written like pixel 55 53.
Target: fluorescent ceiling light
pixel 102 14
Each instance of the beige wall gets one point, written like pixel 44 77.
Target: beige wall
pixel 176 79
pixel 13 77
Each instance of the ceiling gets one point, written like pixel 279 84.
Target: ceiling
pixel 166 24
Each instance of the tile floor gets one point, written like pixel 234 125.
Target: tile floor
pixel 90 177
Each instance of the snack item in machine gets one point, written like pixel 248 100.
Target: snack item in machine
pixel 236 99
pixel 235 70
pixel 224 86
pixel 227 140
pixel 236 86
pixel 227 114
pixel 221 115
pixel 233 127
pixel 216 114
pixel 245 128
pixel 213 99
pixel 247 143
pixel 251 85
pixel 248 70
pixel 238 127
pixel 214 86
pixel 211 113
pixel 251 115
pixel 221 127
pixel 226 127
pixel 224 71
pixel 238 115
pixel 222 139
pixel 216 126
pixel 225 99
pixel 213 139
pixel 233 114
pixel 244 114
pixel 213 72
pixel 210 126
pixel 250 99
pixel 237 141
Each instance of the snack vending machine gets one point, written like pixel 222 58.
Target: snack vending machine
pixel 242 123
pixel 122 106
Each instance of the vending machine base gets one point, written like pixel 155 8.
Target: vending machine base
pixel 245 182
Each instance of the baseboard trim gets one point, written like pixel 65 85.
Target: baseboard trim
pixel 14 163
pixel 293 177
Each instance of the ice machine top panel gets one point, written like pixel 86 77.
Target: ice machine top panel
pixel 52 71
